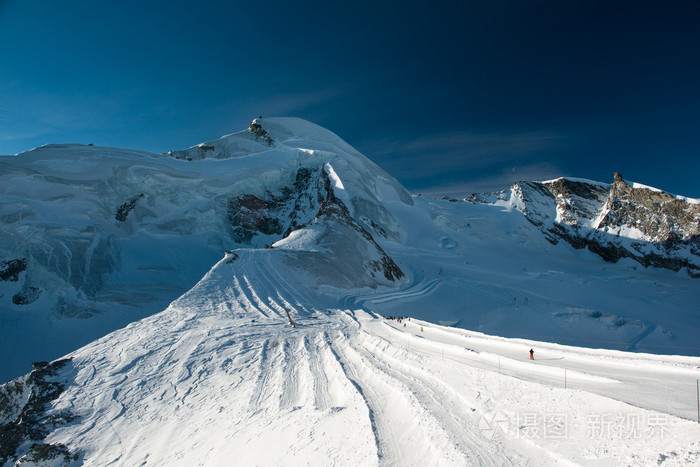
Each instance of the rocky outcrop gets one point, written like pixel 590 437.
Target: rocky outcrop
pixel 249 215
pixel 614 221
pixel 27 295
pixel 277 214
pixel 332 207
pixel 125 208
pixel 659 216
pixel 48 454
pixel 10 270
pixel 260 133
pixel 310 198
pixel 24 419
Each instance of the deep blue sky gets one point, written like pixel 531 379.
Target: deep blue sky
pixel 447 97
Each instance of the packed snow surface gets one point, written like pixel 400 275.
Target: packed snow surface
pixel 221 377
pixel 113 235
pixel 283 355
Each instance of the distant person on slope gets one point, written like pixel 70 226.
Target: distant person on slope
pixel 532 354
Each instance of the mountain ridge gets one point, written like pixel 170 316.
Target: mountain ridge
pixel 204 309
pixel 108 236
pixel 615 220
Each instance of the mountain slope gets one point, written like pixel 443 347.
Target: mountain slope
pixel 614 221
pixel 279 355
pixel 96 238
pixel 222 377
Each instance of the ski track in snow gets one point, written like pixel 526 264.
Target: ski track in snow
pixel 221 377
pixel 224 377
pixel 450 413
pixel 648 385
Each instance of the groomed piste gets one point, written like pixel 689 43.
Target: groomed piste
pixel 238 303
pixel 222 377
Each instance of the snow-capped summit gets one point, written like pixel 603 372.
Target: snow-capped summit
pixel 618 220
pixel 253 271
pixel 263 133
pixel 114 235
pixel 284 139
pixel 94 238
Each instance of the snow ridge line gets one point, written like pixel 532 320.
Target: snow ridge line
pixel 434 397
pixel 353 377
pixel 393 405
pixel 320 380
pixel 292 358
pixel 268 365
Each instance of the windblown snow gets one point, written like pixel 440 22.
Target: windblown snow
pixel 284 355
pixel 221 377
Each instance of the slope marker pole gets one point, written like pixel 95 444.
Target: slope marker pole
pixel 698 397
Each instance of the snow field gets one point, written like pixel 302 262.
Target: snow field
pixel 562 424
pixel 221 377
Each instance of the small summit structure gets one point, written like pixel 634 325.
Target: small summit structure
pixel 260 133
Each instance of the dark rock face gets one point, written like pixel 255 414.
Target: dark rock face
pixel 332 207
pixel 298 217
pixel 48 453
pixel 311 197
pixel 656 214
pixel 575 200
pixel 670 226
pixel 260 133
pixel 606 218
pixel 9 270
pixel 23 414
pixel 249 214
pixel 26 296
pixel 124 209
pixel 279 213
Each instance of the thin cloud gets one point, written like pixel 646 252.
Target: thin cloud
pixel 498 181
pixel 28 114
pixel 290 104
pixel 474 148
pixel 461 163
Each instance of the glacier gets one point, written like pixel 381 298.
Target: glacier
pixel 226 303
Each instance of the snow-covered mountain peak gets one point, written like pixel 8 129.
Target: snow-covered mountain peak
pixel 280 343
pixel 300 133
pixel 617 220
pixel 265 133
pixel 111 232
pixel 295 142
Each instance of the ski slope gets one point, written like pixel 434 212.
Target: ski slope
pixel 221 377
pixel 108 236
pixel 282 355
